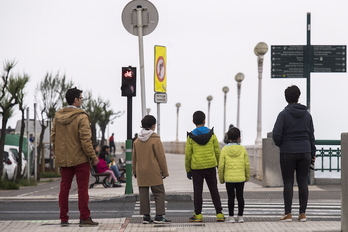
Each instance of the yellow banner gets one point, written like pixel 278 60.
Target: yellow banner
pixel 160 69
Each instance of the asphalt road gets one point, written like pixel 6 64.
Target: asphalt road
pixel 49 210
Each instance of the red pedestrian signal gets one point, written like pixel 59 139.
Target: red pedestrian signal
pixel 129 81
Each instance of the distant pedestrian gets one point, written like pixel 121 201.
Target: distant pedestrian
pixel 134 138
pixel 201 159
pixel 234 170
pixel 112 144
pixel 150 168
pixel 72 145
pixel 293 133
pixel 226 141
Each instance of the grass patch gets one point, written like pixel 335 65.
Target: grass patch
pixel 26 182
pixel 49 175
pixel 7 185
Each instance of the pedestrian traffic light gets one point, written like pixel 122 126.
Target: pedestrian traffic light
pixel 129 81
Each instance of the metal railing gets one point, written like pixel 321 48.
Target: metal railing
pixel 329 158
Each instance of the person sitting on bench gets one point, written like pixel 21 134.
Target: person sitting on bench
pixel 103 167
pixel 112 164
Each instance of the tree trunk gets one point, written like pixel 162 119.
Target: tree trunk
pixel 2 144
pixel 20 145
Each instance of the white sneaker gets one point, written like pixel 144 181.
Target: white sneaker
pixel 230 219
pixel 240 219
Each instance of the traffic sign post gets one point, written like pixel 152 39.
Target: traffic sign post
pixel 140 18
pixel 298 61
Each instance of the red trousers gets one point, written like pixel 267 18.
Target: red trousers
pixel 82 172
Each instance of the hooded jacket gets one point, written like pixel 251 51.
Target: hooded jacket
pixel 293 130
pixel 234 165
pixel 71 137
pixel 202 149
pixel 149 160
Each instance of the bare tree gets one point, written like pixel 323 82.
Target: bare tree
pixel 94 110
pixel 99 115
pixel 107 116
pixel 20 81
pixel 52 91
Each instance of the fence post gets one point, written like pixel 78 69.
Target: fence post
pixel 344 182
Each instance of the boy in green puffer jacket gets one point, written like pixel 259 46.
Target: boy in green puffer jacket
pixel 201 159
pixel 234 170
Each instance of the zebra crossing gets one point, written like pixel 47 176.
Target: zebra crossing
pixel 255 209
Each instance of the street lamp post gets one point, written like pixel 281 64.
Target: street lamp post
pixel 209 98
pixel 225 89
pixel 177 121
pixel 260 50
pixel 239 78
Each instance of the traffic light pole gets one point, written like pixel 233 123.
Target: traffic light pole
pixel 129 185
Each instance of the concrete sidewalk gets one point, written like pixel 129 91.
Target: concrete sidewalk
pixel 176 185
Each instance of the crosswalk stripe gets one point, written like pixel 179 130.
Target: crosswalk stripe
pixel 328 210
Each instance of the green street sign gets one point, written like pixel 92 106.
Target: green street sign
pixel 328 58
pixel 287 61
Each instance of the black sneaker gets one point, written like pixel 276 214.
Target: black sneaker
pixel 162 220
pixel 64 224
pixel 116 185
pixel 88 223
pixel 147 219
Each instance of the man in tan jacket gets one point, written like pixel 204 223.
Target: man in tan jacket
pixel 73 150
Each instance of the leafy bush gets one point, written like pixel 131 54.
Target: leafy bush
pixel 26 182
pixel 49 175
pixel 7 185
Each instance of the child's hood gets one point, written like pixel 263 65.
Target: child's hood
pixel 201 135
pixel 234 150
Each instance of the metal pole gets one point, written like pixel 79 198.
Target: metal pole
pixel 34 145
pixel 209 114
pixel 177 121
pixel 259 116
pixel 308 60
pixel 129 185
pixel 141 59
pixel 158 120
pixel 28 145
pixel 238 101
pixel 225 96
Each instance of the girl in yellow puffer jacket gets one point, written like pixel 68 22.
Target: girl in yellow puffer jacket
pixel 234 170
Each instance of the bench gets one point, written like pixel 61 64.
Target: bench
pixel 98 177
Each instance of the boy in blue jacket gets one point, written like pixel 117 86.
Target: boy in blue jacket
pixel 201 159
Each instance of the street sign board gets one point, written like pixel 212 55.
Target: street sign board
pixel 160 97
pixel 329 58
pixel 287 61
pixel 149 17
pixel 160 80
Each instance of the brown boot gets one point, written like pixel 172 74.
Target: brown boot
pixel 88 223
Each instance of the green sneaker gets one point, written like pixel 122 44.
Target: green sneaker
pixel 220 217
pixel 196 218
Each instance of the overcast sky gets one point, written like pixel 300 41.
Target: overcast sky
pixel 208 43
